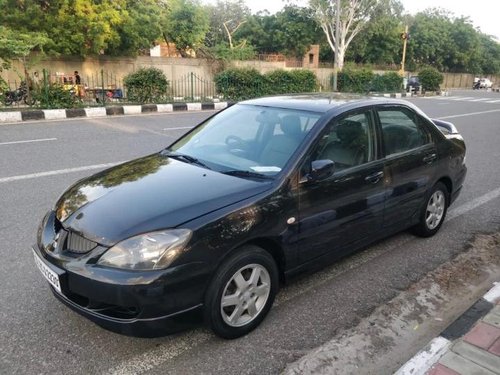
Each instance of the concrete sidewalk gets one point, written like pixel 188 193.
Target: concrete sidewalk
pixel 469 346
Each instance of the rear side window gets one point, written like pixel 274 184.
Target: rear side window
pixel 401 130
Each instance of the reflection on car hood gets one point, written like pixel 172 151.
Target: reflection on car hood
pixel 148 194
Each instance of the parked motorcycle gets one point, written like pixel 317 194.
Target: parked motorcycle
pixel 20 94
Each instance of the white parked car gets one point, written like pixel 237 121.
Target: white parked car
pixel 485 83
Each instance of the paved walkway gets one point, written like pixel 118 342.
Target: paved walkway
pixel 469 346
pixel 478 352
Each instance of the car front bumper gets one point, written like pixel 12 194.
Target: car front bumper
pixel 136 303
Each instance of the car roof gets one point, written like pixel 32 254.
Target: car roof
pixel 321 102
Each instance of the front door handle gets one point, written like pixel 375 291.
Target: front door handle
pixel 374 177
pixel 429 159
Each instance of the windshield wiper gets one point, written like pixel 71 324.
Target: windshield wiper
pixel 187 158
pixel 241 173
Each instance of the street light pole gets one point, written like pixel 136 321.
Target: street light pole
pixel 405 39
pixel 337 32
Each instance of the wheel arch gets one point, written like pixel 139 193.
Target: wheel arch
pixel 447 182
pixel 276 252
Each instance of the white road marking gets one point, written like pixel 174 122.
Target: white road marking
pixel 461 98
pixel 424 359
pixel 494 101
pixel 476 202
pixel 179 127
pixel 478 100
pixel 469 114
pixel 28 141
pixel 493 295
pixel 57 172
pixel 159 355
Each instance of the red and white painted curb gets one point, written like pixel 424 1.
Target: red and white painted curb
pixel 57 114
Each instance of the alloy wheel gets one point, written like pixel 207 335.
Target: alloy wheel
pixel 245 295
pixel 435 209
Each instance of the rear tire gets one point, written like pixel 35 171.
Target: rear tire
pixel 29 100
pixel 241 293
pixel 433 211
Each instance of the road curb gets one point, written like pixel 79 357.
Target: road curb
pixel 422 362
pixel 396 95
pixel 53 114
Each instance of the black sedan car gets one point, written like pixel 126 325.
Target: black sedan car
pixel 212 225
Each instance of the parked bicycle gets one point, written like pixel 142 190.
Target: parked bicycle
pixel 18 95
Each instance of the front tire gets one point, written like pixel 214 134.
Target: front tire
pixel 241 293
pixel 29 100
pixel 434 211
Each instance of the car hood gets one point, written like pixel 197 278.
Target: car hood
pixel 148 194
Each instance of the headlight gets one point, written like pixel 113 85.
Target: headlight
pixel 150 251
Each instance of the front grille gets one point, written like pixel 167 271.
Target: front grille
pixel 78 244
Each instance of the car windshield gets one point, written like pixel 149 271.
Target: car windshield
pixel 246 140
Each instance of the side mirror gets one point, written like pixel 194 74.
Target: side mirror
pixel 321 170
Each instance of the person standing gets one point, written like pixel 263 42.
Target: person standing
pixel 80 91
pixel 78 80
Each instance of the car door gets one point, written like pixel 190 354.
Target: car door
pixel 410 160
pixel 347 207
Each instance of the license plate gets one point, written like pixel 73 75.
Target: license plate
pixel 50 276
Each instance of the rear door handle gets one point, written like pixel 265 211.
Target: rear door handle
pixel 429 158
pixel 374 177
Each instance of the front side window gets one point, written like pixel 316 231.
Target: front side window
pixel 401 130
pixel 348 142
pixel 248 138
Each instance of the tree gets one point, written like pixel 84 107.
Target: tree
pixel 450 44
pixel 290 31
pixel 141 27
pixel 353 16
pixel 15 45
pixel 381 38
pixel 226 18
pixel 489 55
pixel 430 39
pixel 465 49
pixel 74 27
pixel 259 32
pixel 186 25
pixel 295 30
pixel 87 27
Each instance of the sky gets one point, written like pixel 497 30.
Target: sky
pixel 483 13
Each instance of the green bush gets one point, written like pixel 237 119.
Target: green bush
pixel 305 80
pixel 350 80
pixel 288 82
pixel 146 85
pixel 244 83
pixel 388 82
pixel 240 83
pixel 430 79
pixel 55 96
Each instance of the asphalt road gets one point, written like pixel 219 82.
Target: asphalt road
pixel 39 335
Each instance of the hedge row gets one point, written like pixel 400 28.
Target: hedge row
pixel 364 80
pixel 247 83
